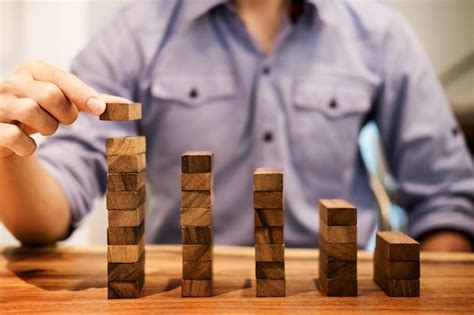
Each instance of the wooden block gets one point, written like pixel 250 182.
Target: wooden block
pixel 196 162
pixel 125 146
pixel 269 235
pixel 125 235
pixel 126 163
pixel 337 287
pixel 196 199
pixel 270 270
pixel 125 199
pixel 402 269
pixel 268 179
pixel 270 252
pixel 196 235
pixel 271 288
pixel 126 217
pixel 197 252
pixel 342 251
pixel 125 181
pixel 196 216
pixel 397 246
pixel 338 234
pixel 268 199
pixel 197 270
pixel 125 253
pixel 334 268
pixel 122 111
pixel 196 288
pixel 337 212
pixel 126 272
pixel 196 181
pixel 268 217
pixel 124 289
pixel 396 287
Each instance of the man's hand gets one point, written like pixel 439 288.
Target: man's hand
pixel 445 241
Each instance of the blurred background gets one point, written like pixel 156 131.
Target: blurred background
pixel 56 30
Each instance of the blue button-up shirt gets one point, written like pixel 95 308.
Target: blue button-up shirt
pixel 205 85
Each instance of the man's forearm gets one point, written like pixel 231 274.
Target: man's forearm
pixel 33 206
pixel 446 241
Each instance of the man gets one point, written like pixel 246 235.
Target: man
pixel 260 83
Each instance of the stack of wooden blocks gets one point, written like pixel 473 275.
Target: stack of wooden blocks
pixel 269 243
pixel 397 264
pixel 338 247
pixel 125 203
pixel 196 223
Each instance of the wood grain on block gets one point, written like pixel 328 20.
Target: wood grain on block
pixel 337 287
pixel 343 251
pixel 335 268
pixel 271 288
pixel 337 212
pixel 126 272
pixel 125 199
pixel 269 235
pixel 196 288
pixel 196 199
pixel 125 253
pixel 397 246
pixel 338 234
pixel 268 199
pixel 270 270
pixel 398 269
pixel 199 270
pixel 125 146
pixel 125 181
pixel 270 252
pixel 197 252
pixel 196 216
pixel 122 111
pixel 125 235
pixel 196 162
pixel 126 217
pixel 125 289
pixel 126 163
pixel 196 235
pixel 196 181
pixel 269 217
pixel 396 287
pixel 268 179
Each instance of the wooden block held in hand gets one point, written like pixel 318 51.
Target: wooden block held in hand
pixel 122 111
pixel 196 162
pixel 342 251
pixel 125 146
pixel 123 218
pixel 268 199
pixel 397 246
pixel 337 287
pixel 125 181
pixel 268 179
pixel 126 163
pixel 125 199
pixel 196 235
pixel 270 270
pixel 271 288
pixel 269 235
pixel 268 217
pixel 196 288
pixel 335 268
pixel 338 234
pixel 125 253
pixel 396 287
pixel 125 235
pixel 270 252
pixel 337 212
pixel 196 181
pixel 196 199
pixel 197 270
pixel 397 269
pixel 197 252
pixel 196 216
pixel 126 271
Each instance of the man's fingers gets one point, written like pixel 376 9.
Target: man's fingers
pixel 84 97
pixel 14 139
pixel 114 99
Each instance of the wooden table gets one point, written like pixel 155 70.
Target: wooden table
pixel 74 280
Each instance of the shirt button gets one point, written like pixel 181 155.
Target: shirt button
pixel 266 70
pixel 193 93
pixel 333 104
pixel 268 136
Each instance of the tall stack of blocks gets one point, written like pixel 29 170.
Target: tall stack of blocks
pixel 338 247
pixel 196 223
pixel 397 264
pixel 269 244
pixel 125 203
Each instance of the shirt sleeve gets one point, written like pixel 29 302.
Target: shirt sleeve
pixel 423 144
pixel 75 155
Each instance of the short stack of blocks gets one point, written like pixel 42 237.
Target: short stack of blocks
pixel 397 264
pixel 269 244
pixel 196 223
pixel 126 206
pixel 338 247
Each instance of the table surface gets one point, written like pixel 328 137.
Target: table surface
pixel 75 280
